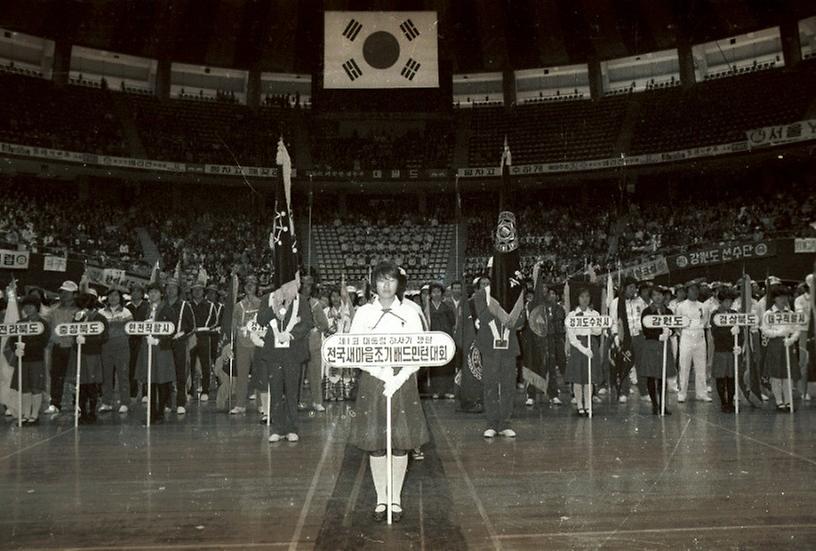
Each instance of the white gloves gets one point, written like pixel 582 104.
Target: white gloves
pixel 152 341
pixel 737 350
pixel 664 336
pixel 735 330
pixel 257 337
pixel 790 341
pixel 80 339
pixel 284 336
pixel 586 351
pixel 19 350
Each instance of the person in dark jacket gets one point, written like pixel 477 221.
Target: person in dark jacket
pixel 32 351
pixel 441 318
pixel 90 369
pixel 162 368
pixel 723 364
pixel 286 348
pixel 139 309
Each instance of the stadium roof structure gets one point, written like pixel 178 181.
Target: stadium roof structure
pixel 483 35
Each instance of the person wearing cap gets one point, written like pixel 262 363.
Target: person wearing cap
pixel 693 348
pixel 139 310
pixel 215 333
pixel 781 341
pixel 162 349
pixel 634 308
pixel 32 351
pixel 243 318
pixel 651 360
pixel 90 369
pixel 116 352
pixel 60 347
pixel 185 327
pixel 722 368
pixel 205 318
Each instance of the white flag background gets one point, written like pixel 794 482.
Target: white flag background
pixel 391 49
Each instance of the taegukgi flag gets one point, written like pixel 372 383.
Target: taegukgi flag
pixel 380 49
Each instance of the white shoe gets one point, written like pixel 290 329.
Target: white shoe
pixel 51 409
pixel 204 398
pixel 180 410
pixel 144 399
pixel 292 437
pixel 765 398
pixel 105 407
pixel 508 433
pixel 704 398
pixel 807 397
pixel 622 399
pixel 237 410
pixel 601 392
pixel 274 437
pixel 708 389
pixel 489 433
pixel 10 414
pixel 681 397
pixel 318 407
pixel 123 408
pixel 556 401
pixel 251 397
pixel 574 401
pixel 167 409
pixel 529 402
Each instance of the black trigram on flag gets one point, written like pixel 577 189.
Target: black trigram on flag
pixel 352 30
pixel 411 68
pixel 409 29
pixel 352 69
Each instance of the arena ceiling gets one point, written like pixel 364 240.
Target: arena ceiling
pixel 475 35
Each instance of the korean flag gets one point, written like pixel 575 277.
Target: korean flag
pixel 365 49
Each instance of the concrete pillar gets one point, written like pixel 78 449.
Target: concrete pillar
pixel 596 84
pixel 254 89
pixel 163 79
pixel 791 44
pixel 62 62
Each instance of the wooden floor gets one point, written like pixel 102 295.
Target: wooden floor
pixel 699 479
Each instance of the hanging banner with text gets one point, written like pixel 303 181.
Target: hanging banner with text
pixel 643 271
pixel 799 131
pixel 722 254
pixel 804 245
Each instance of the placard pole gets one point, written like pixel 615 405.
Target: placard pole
pixel 76 404
pixel 19 385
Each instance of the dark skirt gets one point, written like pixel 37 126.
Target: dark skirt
pixel 650 363
pixel 163 369
pixel 408 427
pixel 90 369
pixel 259 374
pixel 723 365
pixel 576 372
pixel 776 362
pixel 33 377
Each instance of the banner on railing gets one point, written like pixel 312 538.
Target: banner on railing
pixel 722 254
pixel 804 245
pixel 643 271
pixel 113 277
pixel 799 131
pixel 13 260
pixel 53 263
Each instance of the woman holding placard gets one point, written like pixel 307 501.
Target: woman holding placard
pixel 780 339
pixel 163 371
pixel 387 315
pixel 722 368
pixel 585 340
pixel 31 349
pixel 651 361
pixel 90 369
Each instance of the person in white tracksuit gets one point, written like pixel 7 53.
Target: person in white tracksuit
pixel 693 346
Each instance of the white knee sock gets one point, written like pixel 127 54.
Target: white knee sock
pixel 400 466
pixel 579 395
pixel 587 396
pixel 26 411
pixel 379 474
pixel 36 404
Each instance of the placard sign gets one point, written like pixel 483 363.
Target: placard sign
pixel 730 319
pixel 786 318
pixel 668 321
pixel 140 328
pixel 21 329
pixel 81 328
pixel 430 349
pixel 588 322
